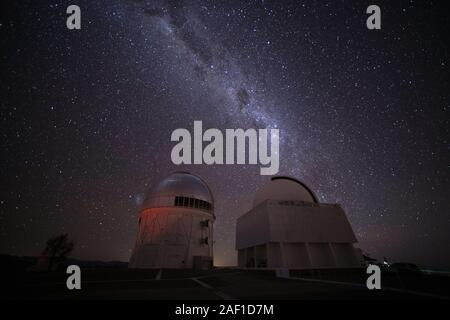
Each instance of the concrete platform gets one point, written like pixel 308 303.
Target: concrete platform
pixel 223 284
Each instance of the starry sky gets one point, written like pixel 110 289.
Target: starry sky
pixel 86 115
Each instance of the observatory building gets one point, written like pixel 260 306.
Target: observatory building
pixel 176 225
pixel 289 228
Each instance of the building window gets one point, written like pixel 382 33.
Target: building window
pixel 180 201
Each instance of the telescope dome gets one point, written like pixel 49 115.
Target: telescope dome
pixel 284 188
pixel 177 184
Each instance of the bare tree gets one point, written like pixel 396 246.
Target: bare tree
pixel 57 249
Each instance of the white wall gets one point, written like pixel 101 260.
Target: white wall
pixel 321 255
pixel 170 238
pixel 273 222
pixel 296 255
pixel 296 235
pixel 253 228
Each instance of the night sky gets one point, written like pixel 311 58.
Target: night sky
pixel 86 115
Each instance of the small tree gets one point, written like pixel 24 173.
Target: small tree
pixel 57 249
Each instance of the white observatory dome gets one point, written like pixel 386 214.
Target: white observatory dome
pixel 284 188
pixel 175 228
pixel 177 184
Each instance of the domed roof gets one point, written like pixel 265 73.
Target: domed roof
pixel 284 188
pixel 178 184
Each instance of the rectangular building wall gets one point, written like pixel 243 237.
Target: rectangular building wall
pixel 321 255
pixel 345 255
pixel 295 255
pixel 261 256
pixel 250 257
pixel 252 228
pixel 242 257
pixel 274 257
pixel 306 224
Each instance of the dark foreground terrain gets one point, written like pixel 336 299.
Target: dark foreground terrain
pixel 226 283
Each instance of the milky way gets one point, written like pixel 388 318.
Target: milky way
pixel 207 62
pixel 86 116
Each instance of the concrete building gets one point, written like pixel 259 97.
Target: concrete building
pixel 176 225
pixel 288 228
